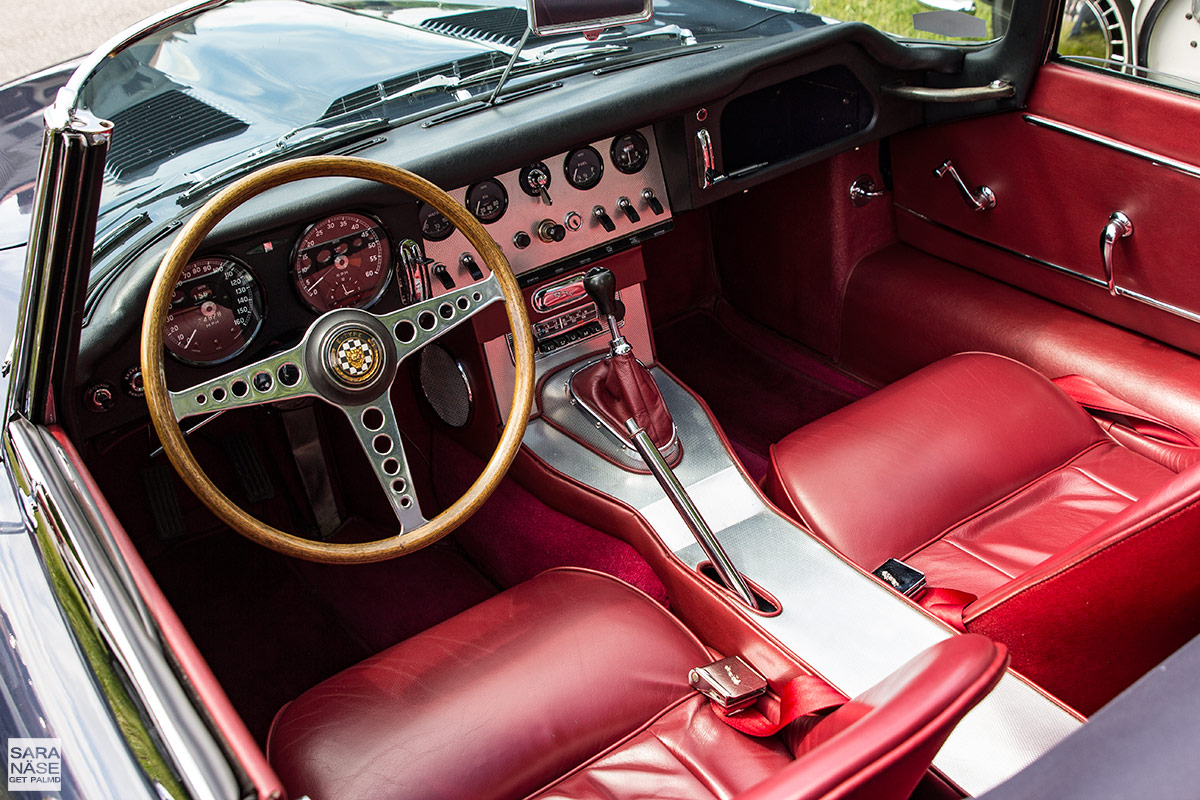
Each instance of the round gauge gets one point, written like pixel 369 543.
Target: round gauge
pixel 487 200
pixel 216 309
pixel 630 152
pixel 534 179
pixel 342 262
pixel 583 167
pixel 434 225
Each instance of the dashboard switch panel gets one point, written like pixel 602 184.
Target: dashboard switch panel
pixel 607 205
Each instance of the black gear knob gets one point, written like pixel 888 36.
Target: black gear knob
pixel 601 286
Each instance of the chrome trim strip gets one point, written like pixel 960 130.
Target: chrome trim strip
pixel 1119 291
pixel 68 96
pixel 1181 167
pixel 1025 256
pixel 78 536
pixel 1159 304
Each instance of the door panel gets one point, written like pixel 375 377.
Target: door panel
pixel 1088 145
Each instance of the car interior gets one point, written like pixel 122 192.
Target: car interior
pixel 886 399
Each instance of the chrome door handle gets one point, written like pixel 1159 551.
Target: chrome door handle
pixel 979 199
pixel 1119 227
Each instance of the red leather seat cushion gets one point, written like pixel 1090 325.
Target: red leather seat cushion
pixel 973 470
pixel 508 696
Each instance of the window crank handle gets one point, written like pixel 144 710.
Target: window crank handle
pixel 979 199
pixel 1119 226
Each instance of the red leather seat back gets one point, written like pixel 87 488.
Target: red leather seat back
pixel 879 744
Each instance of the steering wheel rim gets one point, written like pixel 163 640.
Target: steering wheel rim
pixel 163 413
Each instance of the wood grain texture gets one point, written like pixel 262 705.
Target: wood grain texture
pixel 185 245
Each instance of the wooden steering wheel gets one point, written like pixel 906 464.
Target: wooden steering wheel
pixel 348 357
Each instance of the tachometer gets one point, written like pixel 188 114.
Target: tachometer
pixel 216 310
pixel 342 262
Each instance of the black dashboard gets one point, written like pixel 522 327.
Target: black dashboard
pixel 552 198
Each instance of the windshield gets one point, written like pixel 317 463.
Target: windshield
pixel 235 86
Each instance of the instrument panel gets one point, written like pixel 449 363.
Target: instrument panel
pixel 595 198
pixel 344 260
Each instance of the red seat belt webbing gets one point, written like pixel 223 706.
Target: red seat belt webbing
pixel 801 696
pixel 1093 397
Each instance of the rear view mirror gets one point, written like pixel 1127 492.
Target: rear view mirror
pixel 548 17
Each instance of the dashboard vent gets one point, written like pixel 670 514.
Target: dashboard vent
pixel 169 123
pixel 503 26
pixel 364 98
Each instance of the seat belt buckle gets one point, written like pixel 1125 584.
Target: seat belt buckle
pixel 900 576
pixel 731 683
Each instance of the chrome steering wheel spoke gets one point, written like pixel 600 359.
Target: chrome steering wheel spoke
pixel 282 376
pixel 419 324
pixel 375 425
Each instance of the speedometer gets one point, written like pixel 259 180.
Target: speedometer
pixel 216 309
pixel 342 262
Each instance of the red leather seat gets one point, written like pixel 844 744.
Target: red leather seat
pixel 983 475
pixel 574 684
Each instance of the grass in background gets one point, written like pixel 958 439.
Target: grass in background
pixel 891 16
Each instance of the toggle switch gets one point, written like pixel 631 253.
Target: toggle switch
pixel 626 206
pixel 442 274
pixel 655 204
pixel 604 219
pixel 467 262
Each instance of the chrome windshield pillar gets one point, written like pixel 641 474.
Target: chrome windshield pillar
pixel 59 256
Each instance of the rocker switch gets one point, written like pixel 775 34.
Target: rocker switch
pixel 655 205
pixel 604 219
pixel 442 274
pixel 626 206
pixel 467 262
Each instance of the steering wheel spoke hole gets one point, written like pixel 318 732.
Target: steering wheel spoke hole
pixel 406 332
pixel 372 419
pixel 382 444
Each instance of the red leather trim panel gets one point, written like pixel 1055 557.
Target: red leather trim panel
pixel 881 477
pixel 816 238
pixel 250 756
pixel 1056 194
pixel 906 309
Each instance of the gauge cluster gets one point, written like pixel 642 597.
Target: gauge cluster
pixel 559 212
pixel 344 260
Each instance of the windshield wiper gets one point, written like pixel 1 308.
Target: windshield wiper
pixel 295 142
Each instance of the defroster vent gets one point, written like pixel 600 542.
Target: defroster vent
pixel 167 124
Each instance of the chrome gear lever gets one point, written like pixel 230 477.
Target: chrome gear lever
pixel 601 286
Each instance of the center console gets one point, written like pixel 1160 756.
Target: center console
pixel 843 623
